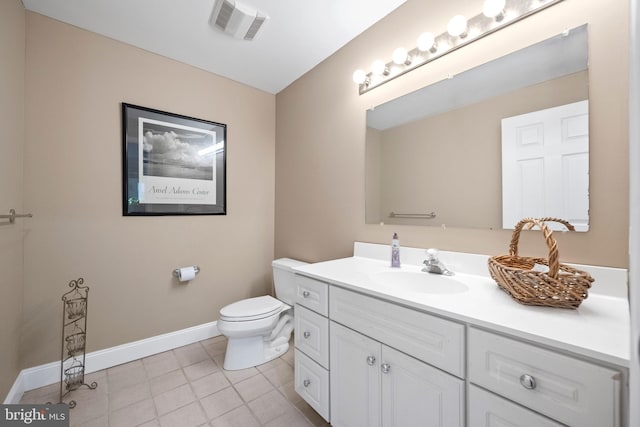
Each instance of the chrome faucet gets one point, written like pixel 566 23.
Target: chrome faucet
pixel 434 265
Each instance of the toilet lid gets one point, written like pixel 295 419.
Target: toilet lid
pixel 251 309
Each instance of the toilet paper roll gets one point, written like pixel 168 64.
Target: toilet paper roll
pixel 186 273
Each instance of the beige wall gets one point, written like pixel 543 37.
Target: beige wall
pixel 75 83
pixel 321 132
pixel 12 51
pixel 448 162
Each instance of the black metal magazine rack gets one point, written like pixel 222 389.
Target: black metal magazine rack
pixel 74 338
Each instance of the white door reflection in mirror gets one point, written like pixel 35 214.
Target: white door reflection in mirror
pixel 545 155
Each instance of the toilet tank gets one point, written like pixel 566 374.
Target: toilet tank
pixel 284 278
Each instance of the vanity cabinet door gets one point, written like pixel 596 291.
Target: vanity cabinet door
pixel 375 385
pixel 354 378
pixel 417 394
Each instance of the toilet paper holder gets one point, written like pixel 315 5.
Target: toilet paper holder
pixel 176 272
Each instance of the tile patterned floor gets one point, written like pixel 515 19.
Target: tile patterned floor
pixel 187 387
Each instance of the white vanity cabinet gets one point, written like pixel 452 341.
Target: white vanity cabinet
pixel 375 384
pixel 367 359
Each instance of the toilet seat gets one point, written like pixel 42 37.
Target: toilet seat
pixel 251 309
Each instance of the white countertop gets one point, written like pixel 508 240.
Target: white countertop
pixel 598 329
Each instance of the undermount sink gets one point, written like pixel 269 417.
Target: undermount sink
pixel 419 282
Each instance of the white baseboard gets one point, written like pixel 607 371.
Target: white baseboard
pixel 16 392
pixel 39 376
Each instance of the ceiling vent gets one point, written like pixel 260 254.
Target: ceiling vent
pixel 237 20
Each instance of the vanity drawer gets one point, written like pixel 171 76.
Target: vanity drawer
pixel 567 389
pixel 312 383
pixel 431 339
pixel 488 410
pixel 312 335
pixel 312 294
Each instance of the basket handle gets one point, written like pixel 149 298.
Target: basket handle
pixel 554 264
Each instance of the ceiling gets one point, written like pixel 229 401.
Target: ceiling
pixel 298 35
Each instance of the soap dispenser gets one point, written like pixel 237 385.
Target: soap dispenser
pixel 395 251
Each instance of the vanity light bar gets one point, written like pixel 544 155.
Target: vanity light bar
pixel 496 14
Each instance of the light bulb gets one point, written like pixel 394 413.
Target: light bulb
pixel 427 42
pixel 379 68
pixel 494 9
pixel 400 56
pixel 458 26
pixel 359 77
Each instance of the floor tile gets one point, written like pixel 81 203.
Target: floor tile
pixel 128 396
pixel 101 421
pixel 270 406
pixel 292 418
pixel 289 391
pixel 166 382
pixel 100 377
pixel 190 354
pixel 133 415
pixel 153 423
pixel 240 375
pixel 271 364
pixel 173 399
pixel 187 416
pixel 200 369
pixel 253 387
pixel 124 378
pixel 219 359
pixel 289 356
pixel 210 384
pixel 42 395
pixel 239 417
pixel 215 346
pixel 221 402
pixel 280 375
pixel 161 363
pixel 125 367
pixel 188 387
pixel 311 415
pixel 84 393
pixel 90 404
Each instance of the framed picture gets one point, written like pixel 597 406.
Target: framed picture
pixel 172 164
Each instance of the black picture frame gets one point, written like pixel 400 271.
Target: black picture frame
pixel 172 164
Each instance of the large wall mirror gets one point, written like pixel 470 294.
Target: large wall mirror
pixel 484 148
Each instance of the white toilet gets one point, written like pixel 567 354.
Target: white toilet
pixel 258 329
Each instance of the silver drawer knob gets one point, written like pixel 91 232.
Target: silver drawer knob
pixel 371 360
pixel 385 368
pixel 306 383
pixel 306 334
pixel 305 294
pixel 528 381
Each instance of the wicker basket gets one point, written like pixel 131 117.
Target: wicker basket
pixel 76 308
pixel 75 343
pixel 526 278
